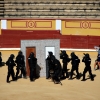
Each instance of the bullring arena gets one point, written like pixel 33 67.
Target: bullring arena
pixel 76 24
pixel 43 89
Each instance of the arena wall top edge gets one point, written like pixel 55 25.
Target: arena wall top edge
pixel 67 49
pixel 49 18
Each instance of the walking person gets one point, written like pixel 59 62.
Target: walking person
pixel 75 65
pixel 32 61
pixel 20 65
pixel 87 60
pixel 10 63
pixel 65 61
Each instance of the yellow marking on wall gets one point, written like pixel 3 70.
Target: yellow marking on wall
pixel 47 24
pixel 18 24
pixel 31 24
pixel 75 27
pixel 97 25
pixel 72 24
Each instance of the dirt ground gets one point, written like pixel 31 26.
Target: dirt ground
pixel 43 89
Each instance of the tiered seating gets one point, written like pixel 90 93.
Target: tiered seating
pixel 1 8
pixel 52 8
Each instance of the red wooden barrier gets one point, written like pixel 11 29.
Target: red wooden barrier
pixel 12 38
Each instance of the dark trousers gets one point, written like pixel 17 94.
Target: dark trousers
pixel 74 68
pixel 87 69
pixel 10 73
pixel 23 72
pixel 57 75
pixel 32 73
pixel 17 72
pixel 50 70
pixel 65 70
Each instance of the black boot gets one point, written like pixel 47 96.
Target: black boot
pixel 71 77
pixel 83 80
pixel 7 80
pixel 63 75
pixel 67 75
pixel 92 78
pixel 16 78
pixel 78 76
pixel 83 77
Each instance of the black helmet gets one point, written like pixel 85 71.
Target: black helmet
pixel 50 53
pixel 72 54
pixel 87 55
pixel 64 52
pixel 20 52
pixel 12 56
pixel 32 54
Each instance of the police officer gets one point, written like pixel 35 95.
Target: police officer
pixel 50 66
pixel 20 65
pixel 57 70
pixel 65 61
pixel 87 60
pixel 10 63
pixel 32 61
pixel 75 64
pixel 1 63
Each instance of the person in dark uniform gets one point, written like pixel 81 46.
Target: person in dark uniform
pixel 10 63
pixel 32 61
pixel 65 61
pixel 87 60
pixel 20 65
pixel 75 64
pixel 50 64
pixel 1 63
pixel 57 70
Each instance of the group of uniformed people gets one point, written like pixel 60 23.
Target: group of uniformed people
pixel 62 72
pixel 20 66
pixel 56 72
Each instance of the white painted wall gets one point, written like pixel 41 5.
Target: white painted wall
pixel 3 24
pixel 58 24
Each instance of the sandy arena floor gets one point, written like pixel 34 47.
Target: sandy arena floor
pixel 43 89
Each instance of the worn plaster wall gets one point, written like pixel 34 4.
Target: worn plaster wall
pixel 40 51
